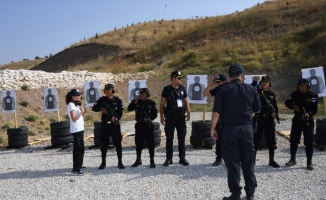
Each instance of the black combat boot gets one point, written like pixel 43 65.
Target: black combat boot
pixel 309 152
pixel 103 164
pixel 293 151
pixel 271 160
pixel 232 197
pixel 137 162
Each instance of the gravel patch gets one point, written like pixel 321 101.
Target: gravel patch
pixel 35 173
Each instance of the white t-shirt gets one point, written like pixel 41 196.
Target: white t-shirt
pixel 78 125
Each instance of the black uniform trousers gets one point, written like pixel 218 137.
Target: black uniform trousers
pixel 175 122
pixel 113 130
pixel 265 124
pixel 144 131
pixel 237 147
pixel 78 150
pixel 300 125
pixel 218 146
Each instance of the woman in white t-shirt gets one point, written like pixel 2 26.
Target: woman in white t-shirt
pixel 75 112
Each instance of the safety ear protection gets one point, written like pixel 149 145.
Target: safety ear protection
pixel 109 86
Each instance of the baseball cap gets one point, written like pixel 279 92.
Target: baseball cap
pixel 235 70
pixel 176 74
pixel 303 81
pixel 266 79
pixel 109 86
pixel 75 92
pixel 220 77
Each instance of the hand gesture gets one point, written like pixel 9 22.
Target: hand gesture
pixel 256 78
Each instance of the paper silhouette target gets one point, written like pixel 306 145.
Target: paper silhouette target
pixel 316 79
pixel 50 100
pixel 134 87
pixel 8 101
pixel 92 92
pixel 249 78
pixel 196 85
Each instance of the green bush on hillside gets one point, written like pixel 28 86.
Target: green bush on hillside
pixel 24 87
pixel 24 103
pixel 6 126
pixel 31 133
pixel 31 118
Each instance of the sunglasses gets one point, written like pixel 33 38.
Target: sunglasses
pixel 180 78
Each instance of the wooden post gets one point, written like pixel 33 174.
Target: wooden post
pixel 204 113
pixel 15 118
pixel 58 115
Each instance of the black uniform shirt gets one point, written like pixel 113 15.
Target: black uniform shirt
pixel 213 91
pixel 235 102
pixel 115 104
pixel 144 109
pixel 309 101
pixel 178 94
pixel 270 97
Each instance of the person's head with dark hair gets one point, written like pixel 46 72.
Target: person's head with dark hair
pixel 235 71
pixel 73 96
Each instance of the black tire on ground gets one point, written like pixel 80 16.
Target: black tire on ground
pixel 262 142
pixel 201 134
pixel 97 138
pixel 97 132
pixel 156 125
pixel 17 143
pixel 18 137
pixel 202 142
pixel 59 125
pixel 17 131
pixel 97 141
pixel 97 124
pixel 62 140
pixel 320 139
pixel 321 132
pixel 157 142
pixel 157 133
pixel 321 123
pixel 60 133
pixel 201 125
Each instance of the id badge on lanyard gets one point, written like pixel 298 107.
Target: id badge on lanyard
pixel 179 102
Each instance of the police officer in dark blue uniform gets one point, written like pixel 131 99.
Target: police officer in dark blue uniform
pixel 266 117
pixel 111 107
pixel 304 103
pixel 219 80
pixel 235 103
pixel 174 112
pixel 146 111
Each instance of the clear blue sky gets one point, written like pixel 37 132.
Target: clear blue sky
pixel 30 28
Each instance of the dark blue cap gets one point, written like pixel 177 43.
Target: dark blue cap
pixel 235 70
pixel 220 77
pixel 75 92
